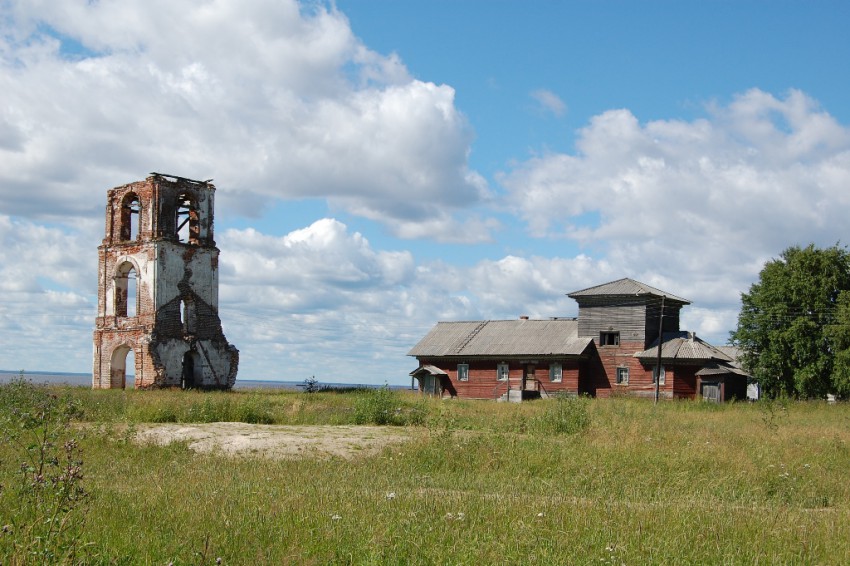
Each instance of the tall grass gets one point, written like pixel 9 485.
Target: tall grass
pixel 480 483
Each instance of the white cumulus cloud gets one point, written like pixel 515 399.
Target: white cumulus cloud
pixel 275 100
pixel 697 206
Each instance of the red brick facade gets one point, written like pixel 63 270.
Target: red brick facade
pixel 158 289
pixel 608 353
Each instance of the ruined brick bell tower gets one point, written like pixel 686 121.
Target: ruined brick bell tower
pixel 158 289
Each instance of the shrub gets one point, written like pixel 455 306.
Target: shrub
pixel 383 407
pixel 312 385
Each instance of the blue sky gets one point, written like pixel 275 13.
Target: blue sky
pixel 384 165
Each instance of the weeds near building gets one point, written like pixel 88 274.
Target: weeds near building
pixel 43 498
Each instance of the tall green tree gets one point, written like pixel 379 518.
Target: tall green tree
pixel 839 336
pixel 785 325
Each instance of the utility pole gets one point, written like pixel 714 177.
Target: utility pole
pixel 658 358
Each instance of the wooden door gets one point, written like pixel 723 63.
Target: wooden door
pixel 711 391
pixel 529 382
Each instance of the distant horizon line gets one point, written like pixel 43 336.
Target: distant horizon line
pixel 88 374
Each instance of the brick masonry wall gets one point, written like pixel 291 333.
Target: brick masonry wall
pixel 168 274
pixel 483 381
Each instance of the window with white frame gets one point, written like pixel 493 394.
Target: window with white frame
pixel 556 372
pixel 655 375
pixel 463 372
pixel 622 376
pixel 502 372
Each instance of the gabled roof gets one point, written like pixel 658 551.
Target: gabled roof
pixel 502 338
pixel 681 346
pixel 625 288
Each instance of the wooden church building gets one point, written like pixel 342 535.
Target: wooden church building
pixel 610 348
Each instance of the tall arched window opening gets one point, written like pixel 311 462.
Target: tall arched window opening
pixel 188 228
pixel 126 292
pixel 130 212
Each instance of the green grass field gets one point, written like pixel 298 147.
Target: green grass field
pixel 617 481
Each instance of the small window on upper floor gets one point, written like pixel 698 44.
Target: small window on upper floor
pixel 609 338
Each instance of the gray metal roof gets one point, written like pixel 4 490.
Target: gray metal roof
pixel 624 288
pixel 428 369
pixel 683 346
pixel 734 353
pixel 721 369
pixel 502 338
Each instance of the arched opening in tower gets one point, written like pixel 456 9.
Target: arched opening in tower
pixel 123 357
pixel 126 291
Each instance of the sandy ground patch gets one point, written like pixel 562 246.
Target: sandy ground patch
pixel 275 441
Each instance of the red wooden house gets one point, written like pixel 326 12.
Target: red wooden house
pixel 611 348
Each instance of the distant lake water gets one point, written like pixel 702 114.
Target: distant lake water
pixel 84 380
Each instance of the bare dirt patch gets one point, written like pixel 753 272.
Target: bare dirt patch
pixel 275 441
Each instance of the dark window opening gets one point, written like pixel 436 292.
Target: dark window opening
pixel 609 338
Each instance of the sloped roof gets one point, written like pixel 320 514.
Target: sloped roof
pixel 721 368
pixel 683 346
pixel 625 287
pixel 502 338
pixel 734 353
pixel 428 369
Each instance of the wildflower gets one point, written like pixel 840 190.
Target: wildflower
pixel 218 560
pixel 335 518
pixel 391 495
pixel 540 515
pixel 460 516
pixel 450 516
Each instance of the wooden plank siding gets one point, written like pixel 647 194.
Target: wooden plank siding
pixel 636 319
pixel 628 317
pixel 684 381
pixel 483 382
pixel 599 378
